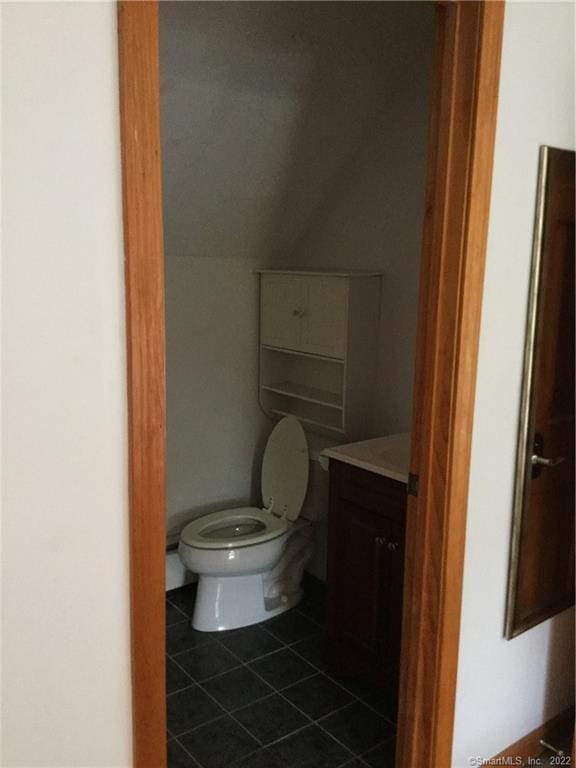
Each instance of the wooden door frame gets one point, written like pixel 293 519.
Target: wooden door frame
pixel 460 157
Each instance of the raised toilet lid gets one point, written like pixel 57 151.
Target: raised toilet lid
pixel 285 468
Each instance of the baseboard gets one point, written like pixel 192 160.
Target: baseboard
pixel 529 746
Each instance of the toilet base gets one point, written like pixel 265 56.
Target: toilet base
pixel 232 602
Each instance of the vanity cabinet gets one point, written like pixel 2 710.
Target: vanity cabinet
pixel 366 526
pixel 318 348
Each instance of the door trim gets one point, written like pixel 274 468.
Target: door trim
pixel 460 159
pixel 461 145
pixel 144 276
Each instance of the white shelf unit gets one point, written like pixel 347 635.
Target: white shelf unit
pixel 318 348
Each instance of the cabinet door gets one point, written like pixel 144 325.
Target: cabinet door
pixel 362 558
pixel 390 617
pixel 325 316
pixel 282 303
pixel 365 577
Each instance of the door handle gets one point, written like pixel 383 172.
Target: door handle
pixel 537 460
pixel 542 461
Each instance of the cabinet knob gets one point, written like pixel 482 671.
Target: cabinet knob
pixel 298 313
pixel 380 540
pixel 392 546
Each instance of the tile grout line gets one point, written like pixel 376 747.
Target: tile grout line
pixel 311 722
pixel 190 755
pixel 279 691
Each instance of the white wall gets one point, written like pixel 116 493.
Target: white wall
pixel 65 650
pixel 275 116
pixel 372 219
pixel 508 688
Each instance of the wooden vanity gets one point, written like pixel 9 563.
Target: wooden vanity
pixel 366 530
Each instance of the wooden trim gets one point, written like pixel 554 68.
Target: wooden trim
pixel 529 745
pixel 459 181
pixel 143 248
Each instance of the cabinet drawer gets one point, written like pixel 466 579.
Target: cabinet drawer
pixel 378 494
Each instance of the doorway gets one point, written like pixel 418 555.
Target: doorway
pixel 459 168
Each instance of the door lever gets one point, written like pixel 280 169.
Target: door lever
pixel 544 462
pixel 537 460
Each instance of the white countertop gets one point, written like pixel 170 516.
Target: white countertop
pixel 388 456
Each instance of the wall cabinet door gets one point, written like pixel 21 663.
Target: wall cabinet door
pixel 305 314
pixel 282 301
pixel 325 316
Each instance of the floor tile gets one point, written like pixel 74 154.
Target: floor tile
pixel 291 626
pixel 314 608
pixel 237 688
pixel 309 748
pixel 318 696
pixel 271 718
pixel 313 649
pixel 250 643
pixel 190 708
pixel 177 757
pixel 219 743
pixel 183 598
pixel 176 678
pixel 173 614
pixel 206 661
pixel 382 756
pixel 355 687
pixel 181 637
pixel 358 727
pixel 282 668
pixel 383 704
pixel 260 759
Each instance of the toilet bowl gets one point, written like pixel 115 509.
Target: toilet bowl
pixel 250 561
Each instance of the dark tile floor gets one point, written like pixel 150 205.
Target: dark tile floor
pixel 263 697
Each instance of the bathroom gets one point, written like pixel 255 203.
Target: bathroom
pixel 293 139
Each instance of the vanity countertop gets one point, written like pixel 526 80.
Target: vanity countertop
pixel 388 456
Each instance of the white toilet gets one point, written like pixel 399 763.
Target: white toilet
pixel 250 561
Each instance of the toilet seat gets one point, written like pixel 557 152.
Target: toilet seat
pixel 232 528
pixel 284 480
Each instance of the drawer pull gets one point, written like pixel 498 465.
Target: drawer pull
pixel 392 546
pixel 380 540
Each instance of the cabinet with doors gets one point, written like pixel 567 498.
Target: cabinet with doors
pixel 366 526
pixel 318 348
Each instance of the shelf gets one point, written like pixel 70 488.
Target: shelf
pixel 311 422
pixel 320 272
pixel 310 394
pixel 284 351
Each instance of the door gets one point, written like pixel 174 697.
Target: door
pixel 324 326
pixel 283 301
pixel 545 544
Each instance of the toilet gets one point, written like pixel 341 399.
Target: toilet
pixel 250 560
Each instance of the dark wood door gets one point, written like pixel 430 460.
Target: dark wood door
pixel 545 581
